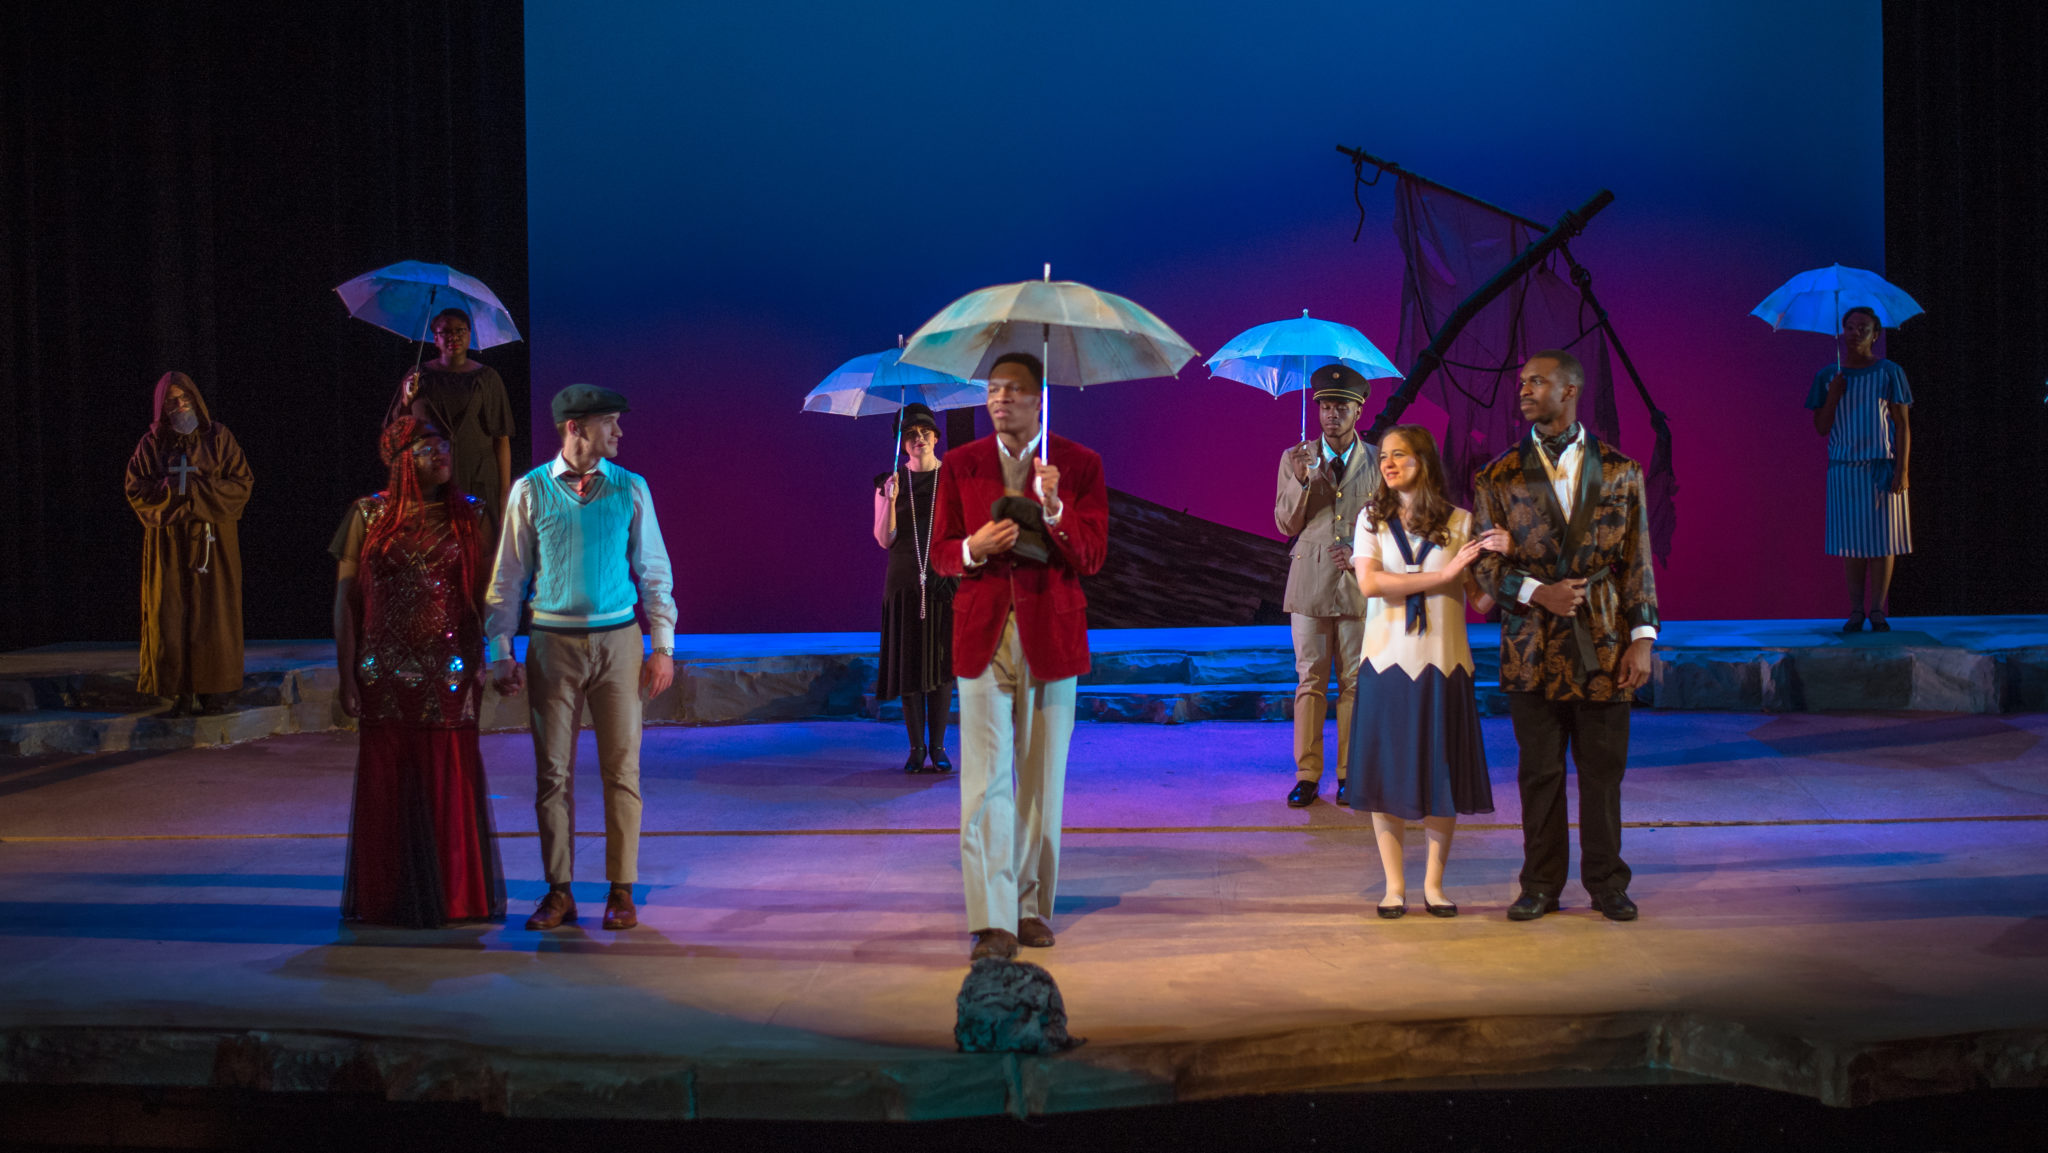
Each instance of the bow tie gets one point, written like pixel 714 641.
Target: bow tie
pixel 1554 446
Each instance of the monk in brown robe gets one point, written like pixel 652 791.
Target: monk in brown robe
pixel 187 483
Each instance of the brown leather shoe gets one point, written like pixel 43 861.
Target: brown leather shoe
pixel 553 909
pixel 1033 933
pixel 998 943
pixel 619 912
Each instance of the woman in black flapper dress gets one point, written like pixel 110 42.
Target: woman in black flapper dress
pixel 917 603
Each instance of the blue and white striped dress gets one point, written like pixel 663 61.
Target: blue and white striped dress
pixel 1865 518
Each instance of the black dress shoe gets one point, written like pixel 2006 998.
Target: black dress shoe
pixel 1615 906
pixel 1531 905
pixel 916 762
pixel 1447 909
pixel 1392 912
pixel 939 762
pixel 1302 795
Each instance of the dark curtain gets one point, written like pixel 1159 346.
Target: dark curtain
pixel 1966 232
pixel 181 186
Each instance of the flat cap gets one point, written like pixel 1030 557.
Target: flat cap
pixel 581 400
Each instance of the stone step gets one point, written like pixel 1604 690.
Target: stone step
pixel 1163 703
pixel 80 698
pixel 47 732
pixel 1234 666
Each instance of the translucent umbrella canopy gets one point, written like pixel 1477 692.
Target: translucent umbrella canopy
pixel 1814 301
pixel 1280 357
pixel 404 298
pixel 880 383
pixel 1084 335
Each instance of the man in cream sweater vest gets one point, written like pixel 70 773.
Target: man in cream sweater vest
pixel 580 541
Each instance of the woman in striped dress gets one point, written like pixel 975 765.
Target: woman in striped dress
pixel 1861 407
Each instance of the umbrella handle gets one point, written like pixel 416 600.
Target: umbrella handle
pixel 1045 388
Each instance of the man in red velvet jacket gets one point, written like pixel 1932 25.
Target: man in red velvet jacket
pixel 1020 640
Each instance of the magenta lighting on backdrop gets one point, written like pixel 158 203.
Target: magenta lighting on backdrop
pixel 726 202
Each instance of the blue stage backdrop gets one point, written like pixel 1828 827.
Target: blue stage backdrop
pixel 729 200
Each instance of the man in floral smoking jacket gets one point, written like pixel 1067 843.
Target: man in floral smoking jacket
pixel 1579 617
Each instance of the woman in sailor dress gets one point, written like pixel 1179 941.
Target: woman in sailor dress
pixel 1416 752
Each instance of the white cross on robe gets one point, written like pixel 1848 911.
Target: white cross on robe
pixel 184 468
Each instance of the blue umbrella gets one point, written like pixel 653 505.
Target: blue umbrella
pixel 881 382
pixel 1814 301
pixel 1281 357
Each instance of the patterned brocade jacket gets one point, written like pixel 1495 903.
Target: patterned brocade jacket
pixel 1607 542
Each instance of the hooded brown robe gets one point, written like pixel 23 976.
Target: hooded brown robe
pixel 191 565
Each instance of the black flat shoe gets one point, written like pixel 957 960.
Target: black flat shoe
pixel 1444 910
pixel 1392 912
pixel 1853 624
pixel 1879 623
pixel 1530 906
pixel 916 762
pixel 1343 792
pixel 1615 906
pixel 939 762
pixel 1302 795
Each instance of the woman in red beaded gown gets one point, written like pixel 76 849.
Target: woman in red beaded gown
pixel 409 638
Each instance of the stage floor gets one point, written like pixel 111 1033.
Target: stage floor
pixel 1848 907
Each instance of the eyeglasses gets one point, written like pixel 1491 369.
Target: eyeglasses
pixel 426 449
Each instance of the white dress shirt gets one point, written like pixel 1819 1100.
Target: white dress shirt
pixel 1564 481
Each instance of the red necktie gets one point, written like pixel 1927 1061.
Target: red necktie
pixel 586 483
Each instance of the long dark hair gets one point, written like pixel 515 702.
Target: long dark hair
pixel 1429 516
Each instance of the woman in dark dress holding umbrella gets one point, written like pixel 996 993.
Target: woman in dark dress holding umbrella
pixel 917 603
pixel 467 400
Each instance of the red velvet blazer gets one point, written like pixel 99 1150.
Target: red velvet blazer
pixel 1052 612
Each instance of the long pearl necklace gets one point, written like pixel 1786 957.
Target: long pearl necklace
pixel 921 545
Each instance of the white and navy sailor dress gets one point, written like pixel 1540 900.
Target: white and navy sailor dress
pixel 1416 749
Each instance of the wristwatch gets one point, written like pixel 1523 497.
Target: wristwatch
pixel 662 651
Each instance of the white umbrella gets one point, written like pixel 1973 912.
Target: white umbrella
pixel 1082 335
pixel 404 297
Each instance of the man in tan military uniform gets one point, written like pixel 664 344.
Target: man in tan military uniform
pixel 1322 486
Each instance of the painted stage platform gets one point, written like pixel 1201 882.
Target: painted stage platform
pixel 1852 907
pixel 81 697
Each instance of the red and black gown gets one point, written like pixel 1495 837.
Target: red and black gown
pixel 420 847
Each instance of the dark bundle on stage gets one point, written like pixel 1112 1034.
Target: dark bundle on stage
pixel 1466 349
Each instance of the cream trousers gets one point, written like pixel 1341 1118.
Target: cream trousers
pixel 563 672
pixel 1316 641
pixel 1014 730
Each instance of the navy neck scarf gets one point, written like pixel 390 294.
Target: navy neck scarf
pixel 1412 557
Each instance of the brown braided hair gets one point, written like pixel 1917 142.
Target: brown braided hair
pixel 403 499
